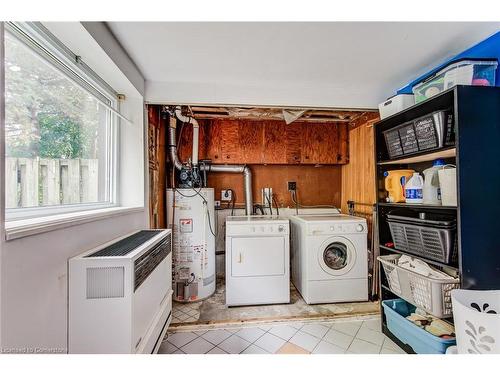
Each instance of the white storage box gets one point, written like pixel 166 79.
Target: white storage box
pixel 395 104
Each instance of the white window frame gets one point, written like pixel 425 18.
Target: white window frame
pixel 41 41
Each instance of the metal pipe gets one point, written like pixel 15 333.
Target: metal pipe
pixel 196 132
pixel 172 146
pixel 225 168
pixel 236 168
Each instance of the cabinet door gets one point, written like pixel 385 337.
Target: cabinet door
pixel 263 256
pixel 251 142
pixel 229 141
pixel 275 142
pixel 321 143
pixel 293 144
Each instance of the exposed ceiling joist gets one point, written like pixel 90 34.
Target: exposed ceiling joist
pixel 273 113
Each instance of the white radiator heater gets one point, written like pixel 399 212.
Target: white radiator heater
pixel 120 295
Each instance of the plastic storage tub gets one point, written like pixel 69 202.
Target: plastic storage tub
pixel 431 236
pixel 430 294
pixel 395 104
pixel 464 72
pixel 432 131
pixel 421 341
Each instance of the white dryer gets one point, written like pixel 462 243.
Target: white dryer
pixel 257 260
pixel 329 258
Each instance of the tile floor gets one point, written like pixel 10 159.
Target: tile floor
pixel 186 312
pixel 214 309
pixel 318 337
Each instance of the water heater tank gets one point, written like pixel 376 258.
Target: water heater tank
pixel 191 216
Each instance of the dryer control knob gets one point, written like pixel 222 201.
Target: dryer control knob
pixel 360 227
pixel 281 228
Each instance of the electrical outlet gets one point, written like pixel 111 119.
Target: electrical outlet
pixel 292 186
pixel 226 195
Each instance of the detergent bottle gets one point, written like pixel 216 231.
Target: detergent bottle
pixel 395 182
pixel 414 189
pixel 432 191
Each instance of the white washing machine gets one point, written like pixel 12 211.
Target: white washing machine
pixel 257 260
pixel 329 258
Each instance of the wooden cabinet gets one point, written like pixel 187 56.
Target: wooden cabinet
pixel 269 142
pixel 321 144
pixel 293 143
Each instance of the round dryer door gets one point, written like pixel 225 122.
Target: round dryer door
pixel 337 256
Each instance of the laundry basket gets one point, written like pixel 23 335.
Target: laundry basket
pixel 430 294
pixel 431 236
pixel 476 315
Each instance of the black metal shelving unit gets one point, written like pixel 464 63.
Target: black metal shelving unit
pixel 476 118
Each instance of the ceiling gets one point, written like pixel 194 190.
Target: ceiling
pixel 337 64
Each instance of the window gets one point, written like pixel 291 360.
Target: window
pixel 60 131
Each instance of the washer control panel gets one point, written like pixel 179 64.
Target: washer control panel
pixel 334 228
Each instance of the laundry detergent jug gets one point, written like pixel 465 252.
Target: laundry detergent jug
pixel 432 191
pixel 414 189
pixel 395 183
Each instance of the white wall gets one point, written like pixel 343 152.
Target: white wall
pixel 33 270
pixel 34 280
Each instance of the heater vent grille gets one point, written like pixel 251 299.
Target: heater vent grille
pixel 146 264
pixel 125 245
pixel 105 282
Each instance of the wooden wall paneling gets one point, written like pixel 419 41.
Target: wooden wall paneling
pixel 203 140
pixel 358 177
pixel 152 166
pixel 316 185
pixel 293 143
pixel 275 150
pixel 157 161
pixel 251 142
pixel 162 172
pixel 184 141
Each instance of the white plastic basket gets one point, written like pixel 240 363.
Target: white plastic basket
pixel 432 295
pixel 476 314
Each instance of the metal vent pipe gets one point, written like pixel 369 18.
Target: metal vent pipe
pixel 236 168
pixel 221 168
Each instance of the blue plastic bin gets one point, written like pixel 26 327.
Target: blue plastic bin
pixel 421 341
